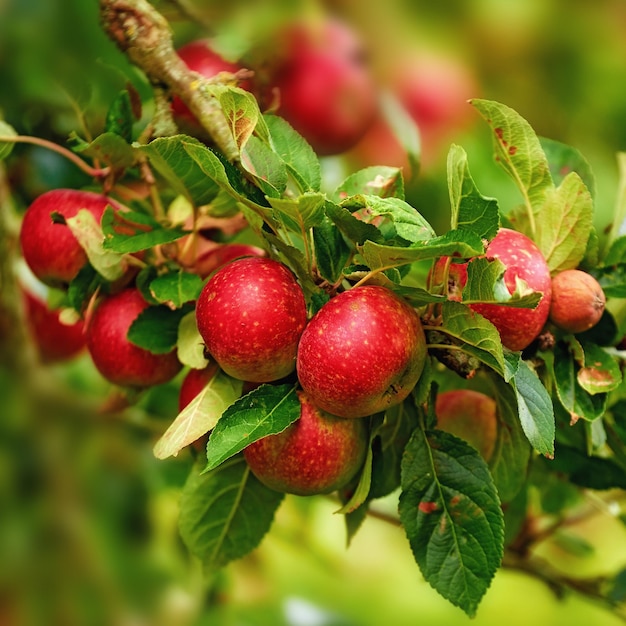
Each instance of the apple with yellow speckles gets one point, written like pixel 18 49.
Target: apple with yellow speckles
pixel 318 453
pixel 522 259
pixel 250 314
pixel 362 352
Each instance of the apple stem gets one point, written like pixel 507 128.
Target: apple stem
pixel 94 172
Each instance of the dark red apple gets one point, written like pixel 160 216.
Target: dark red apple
pixel 470 415
pixel 116 358
pixel 200 57
pixel 221 254
pixel 194 382
pixel 55 341
pixel 323 85
pixel 362 352
pixel 251 314
pixel 49 248
pixel 522 259
pixel 319 453
pixel 578 301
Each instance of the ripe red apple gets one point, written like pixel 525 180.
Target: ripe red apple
pixel 578 301
pixel 223 253
pixel 116 358
pixel 522 259
pixel 362 352
pixel 50 249
pixel 324 87
pixel 54 340
pixel 470 415
pixel 319 453
pixel 251 314
pixel 200 57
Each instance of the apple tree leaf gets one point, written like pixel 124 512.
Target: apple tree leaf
pixel 190 345
pixel 199 416
pixel 377 180
pixel 600 373
pixel 225 513
pixel 6 147
pixel 470 209
pixel 564 159
pixel 110 149
pixel 451 513
pixel 176 288
pixel 156 328
pixel 300 214
pixel 120 117
pixel 332 252
pixel 267 168
pixel 267 410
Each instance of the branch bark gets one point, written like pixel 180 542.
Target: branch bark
pixel 144 35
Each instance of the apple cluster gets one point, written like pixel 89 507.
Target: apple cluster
pixel 362 352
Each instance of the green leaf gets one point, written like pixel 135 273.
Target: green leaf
pixel 171 159
pixel 110 149
pixel 267 410
pixel 451 513
pixel 535 409
pixel 176 288
pixel 6 147
pixel 565 224
pixel 131 231
pixel 199 416
pixel 300 214
pixel 351 227
pixel 600 373
pixel 612 280
pixel 190 345
pixel 331 250
pixel 618 226
pixel 241 111
pixel 518 150
pixel 470 209
pixel 268 169
pixel 108 263
pixel 120 118
pixel 564 159
pixel 485 283
pixel 85 284
pixel 461 243
pixel 378 180
pixel 301 161
pixel 224 514
pixel 156 328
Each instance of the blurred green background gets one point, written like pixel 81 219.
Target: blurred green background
pixel 88 516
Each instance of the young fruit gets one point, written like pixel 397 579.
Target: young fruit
pixel 49 248
pixel 319 453
pixel 116 358
pixel 200 57
pixel 362 352
pixel 470 415
pixel 54 340
pixel 323 85
pixel 251 314
pixel 522 259
pixel 578 301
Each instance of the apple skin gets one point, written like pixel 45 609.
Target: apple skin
pixel 319 453
pixel 51 251
pixel 251 313
pixel 470 415
pixel 325 90
pixel 199 56
pixel 578 301
pixel 362 352
pixel 117 359
pixel 54 340
pixel 221 254
pixel 518 327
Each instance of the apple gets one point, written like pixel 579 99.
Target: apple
pixel 221 254
pixel 362 352
pixel 50 249
pixel 518 327
pixel 470 415
pixel 318 453
pixel 115 357
pixel 250 314
pixel 578 301
pixel 323 86
pixel 54 340
pixel 199 56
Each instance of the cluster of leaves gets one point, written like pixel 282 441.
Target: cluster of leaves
pixel 452 502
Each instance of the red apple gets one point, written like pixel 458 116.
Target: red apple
pixel 55 341
pixel 116 358
pixel 200 57
pixel 221 254
pixel 319 453
pixel 251 314
pixel 50 249
pixel 522 259
pixel 578 301
pixel 194 382
pixel 470 415
pixel 324 88
pixel 362 353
